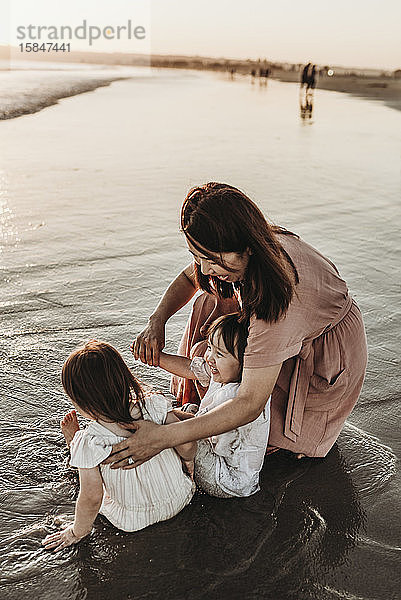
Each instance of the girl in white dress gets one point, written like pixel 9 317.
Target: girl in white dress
pixel 228 464
pixel 103 389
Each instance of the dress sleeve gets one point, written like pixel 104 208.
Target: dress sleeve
pixel 157 406
pixel 87 450
pixel 200 369
pixel 272 343
pixel 318 298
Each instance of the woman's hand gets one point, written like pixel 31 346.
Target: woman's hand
pixel 147 441
pixel 61 539
pixel 150 342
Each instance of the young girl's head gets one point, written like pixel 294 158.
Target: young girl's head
pixel 99 383
pixel 227 339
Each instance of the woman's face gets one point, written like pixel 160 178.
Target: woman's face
pixel 225 367
pixel 233 260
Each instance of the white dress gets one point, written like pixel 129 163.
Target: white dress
pixel 133 499
pixel 239 453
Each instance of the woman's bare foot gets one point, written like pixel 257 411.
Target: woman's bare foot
pixel 69 426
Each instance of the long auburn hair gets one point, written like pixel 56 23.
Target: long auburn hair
pixel 217 218
pixel 97 379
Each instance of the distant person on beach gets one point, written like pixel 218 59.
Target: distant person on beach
pixel 103 389
pixel 306 344
pixel 228 464
pixel 305 75
pixel 308 77
pixel 312 78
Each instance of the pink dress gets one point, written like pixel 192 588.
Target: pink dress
pixel 320 342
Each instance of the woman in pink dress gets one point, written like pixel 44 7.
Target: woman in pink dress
pixel 306 344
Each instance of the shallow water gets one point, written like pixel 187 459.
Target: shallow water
pixel 90 194
pixel 30 88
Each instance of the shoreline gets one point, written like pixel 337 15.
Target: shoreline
pixel 383 87
pixel 32 99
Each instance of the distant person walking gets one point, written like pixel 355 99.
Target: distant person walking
pixel 305 75
pixel 308 79
pixel 308 76
pixel 312 78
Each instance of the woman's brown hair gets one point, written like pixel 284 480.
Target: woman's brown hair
pixel 218 218
pixel 97 379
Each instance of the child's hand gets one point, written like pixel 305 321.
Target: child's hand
pixel 61 539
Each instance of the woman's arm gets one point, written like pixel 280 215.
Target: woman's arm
pixel 255 389
pixel 177 365
pixel 151 340
pixel 149 438
pixel 86 509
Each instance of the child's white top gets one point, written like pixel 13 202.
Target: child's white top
pixel 133 499
pixel 240 452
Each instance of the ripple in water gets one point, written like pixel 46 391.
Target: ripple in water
pixel 370 463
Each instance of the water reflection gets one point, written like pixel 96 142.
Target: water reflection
pixel 306 100
pixel 303 522
pixel 284 542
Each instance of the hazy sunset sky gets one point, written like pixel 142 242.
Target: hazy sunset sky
pixel 350 32
pixel 363 33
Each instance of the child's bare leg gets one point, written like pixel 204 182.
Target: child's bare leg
pixel 69 426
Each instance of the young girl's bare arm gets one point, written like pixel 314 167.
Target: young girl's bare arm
pixel 186 451
pixel 89 500
pixel 177 365
pixel 86 509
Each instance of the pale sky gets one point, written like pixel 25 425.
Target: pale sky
pixel 363 33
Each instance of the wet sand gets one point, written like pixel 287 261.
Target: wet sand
pixel 382 89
